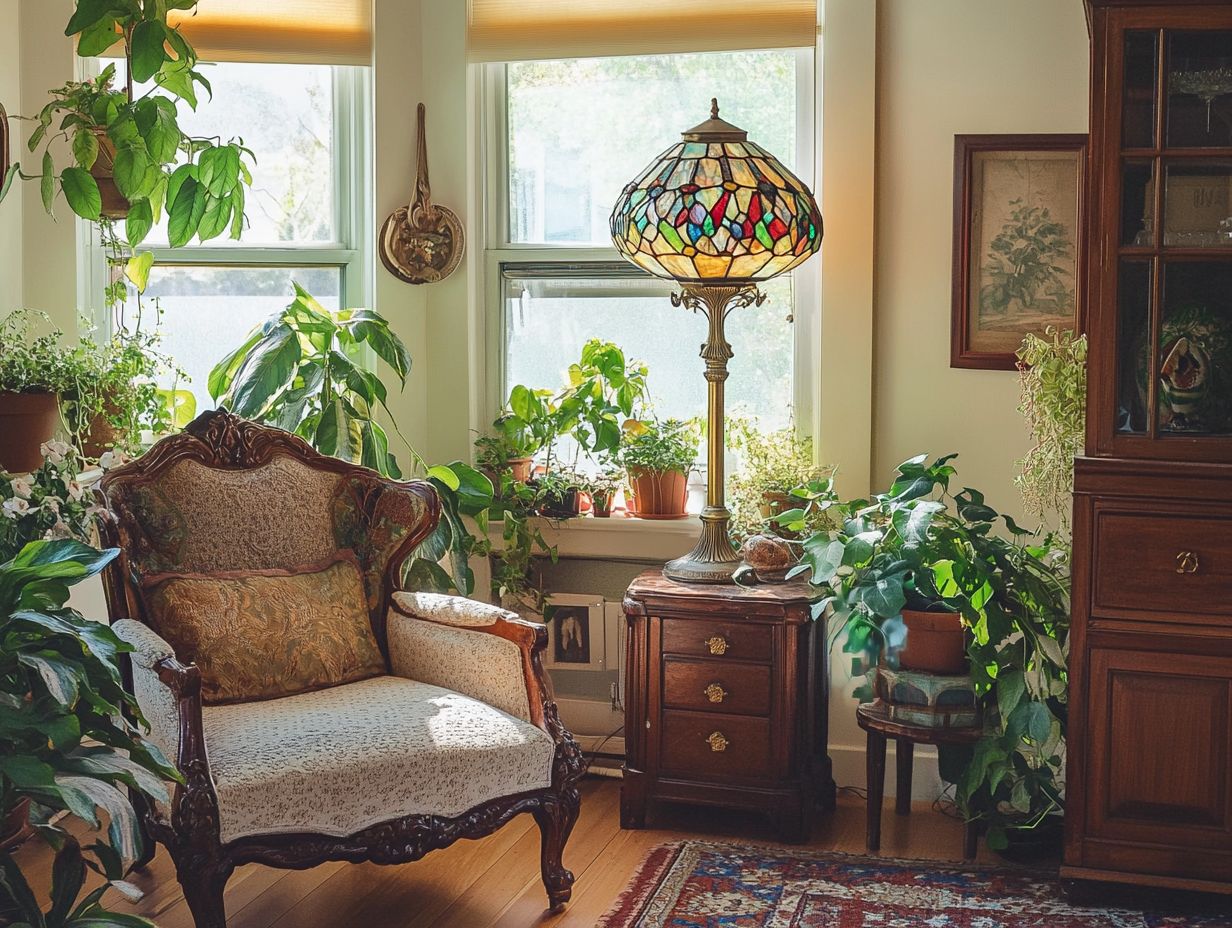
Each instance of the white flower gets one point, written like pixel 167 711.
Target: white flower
pixel 108 460
pixel 16 507
pixel 60 530
pixel 52 504
pixel 54 451
pixel 23 487
pixel 75 491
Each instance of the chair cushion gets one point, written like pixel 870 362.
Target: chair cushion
pixel 339 760
pixel 269 633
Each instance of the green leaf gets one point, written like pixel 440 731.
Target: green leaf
pixel 85 148
pixel 68 873
pixel 374 330
pixel 96 39
pixel 267 369
pixel 137 269
pixel 1010 688
pixel 135 173
pixel 6 182
pixel 47 185
pixel 237 213
pixel 184 214
pixel 60 677
pixel 148 51
pixel 138 223
pixel 1039 722
pixel 223 373
pixel 474 490
pixel 88 13
pixel 162 137
pixel 81 192
pixel 215 218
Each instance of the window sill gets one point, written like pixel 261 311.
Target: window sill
pixel 620 537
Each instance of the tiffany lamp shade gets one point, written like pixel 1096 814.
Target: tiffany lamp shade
pixel 717 214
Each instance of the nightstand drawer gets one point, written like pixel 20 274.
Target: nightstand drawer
pixel 718 747
pixel 1169 566
pixel 734 640
pixel 717 686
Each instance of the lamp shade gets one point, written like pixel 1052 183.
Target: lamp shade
pixel 716 207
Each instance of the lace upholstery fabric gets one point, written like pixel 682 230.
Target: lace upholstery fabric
pixel 339 760
pixel 451 610
pixel 202 519
pixel 157 703
pixel 268 634
pixel 478 664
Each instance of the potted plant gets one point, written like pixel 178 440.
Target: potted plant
pixel 771 465
pixel 602 488
pixel 916 546
pixel 658 457
pixel 67 744
pixel 560 493
pixel 48 503
pixel 34 371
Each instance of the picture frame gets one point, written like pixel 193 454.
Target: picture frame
pixel 576 632
pixel 1015 193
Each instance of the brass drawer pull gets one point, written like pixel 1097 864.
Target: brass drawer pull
pixel 717 644
pixel 715 693
pixel 1187 563
pixel 718 742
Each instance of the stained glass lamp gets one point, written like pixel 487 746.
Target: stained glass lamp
pixel 717 214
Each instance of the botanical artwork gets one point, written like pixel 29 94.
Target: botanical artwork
pixel 1020 241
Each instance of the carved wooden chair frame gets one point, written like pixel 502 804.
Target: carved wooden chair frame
pixel 192 832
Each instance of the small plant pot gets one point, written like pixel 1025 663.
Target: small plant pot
pixel 773 502
pixel 1031 845
pixel 520 468
pixel 601 504
pixel 115 206
pixel 566 506
pixel 936 643
pixel 16 826
pixel 26 421
pixel 101 435
pixel 660 494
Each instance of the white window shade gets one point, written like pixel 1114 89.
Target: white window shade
pixel 518 30
pixel 287 31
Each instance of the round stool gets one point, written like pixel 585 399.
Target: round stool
pixel 875 719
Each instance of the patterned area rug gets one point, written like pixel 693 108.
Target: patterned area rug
pixel 695 884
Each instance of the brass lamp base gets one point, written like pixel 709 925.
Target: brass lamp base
pixel 713 558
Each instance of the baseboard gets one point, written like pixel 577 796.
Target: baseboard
pixel 851 769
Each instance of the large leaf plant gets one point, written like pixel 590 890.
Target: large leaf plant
pixel 303 370
pixel 916 546
pixel 66 740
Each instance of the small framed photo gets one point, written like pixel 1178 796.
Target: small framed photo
pixel 1018 238
pixel 576 636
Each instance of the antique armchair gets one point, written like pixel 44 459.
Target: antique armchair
pixel 455 737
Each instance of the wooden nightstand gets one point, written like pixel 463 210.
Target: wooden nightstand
pixel 726 701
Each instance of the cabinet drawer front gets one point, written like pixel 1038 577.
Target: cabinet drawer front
pixel 1155 563
pixel 717 686
pixel 734 640
pixel 717 747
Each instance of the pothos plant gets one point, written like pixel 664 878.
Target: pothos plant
pixel 917 546
pixel 301 371
pixel 134 139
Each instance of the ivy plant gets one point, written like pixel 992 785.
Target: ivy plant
pixel 301 371
pixel 916 546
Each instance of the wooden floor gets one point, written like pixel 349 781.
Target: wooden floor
pixel 494 883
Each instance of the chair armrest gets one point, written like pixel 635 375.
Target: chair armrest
pixel 473 648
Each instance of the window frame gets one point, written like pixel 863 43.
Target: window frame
pixel 352 195
pixel 502 255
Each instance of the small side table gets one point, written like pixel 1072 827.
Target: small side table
pixel 875 719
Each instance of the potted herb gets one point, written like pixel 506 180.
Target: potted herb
pixel 34 371
pixel 602 488
pixel 560 493
pixel 658 457
pixel 771 465
pixel 296 371
pixel 917 546
pixel 67 744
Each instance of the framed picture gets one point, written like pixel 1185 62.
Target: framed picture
pixel 1018 242
pixel 576 637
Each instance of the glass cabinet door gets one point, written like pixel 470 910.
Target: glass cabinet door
pixel 1173 280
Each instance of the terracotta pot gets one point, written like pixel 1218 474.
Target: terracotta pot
pixel 115 206
pixel 101 435
pixel 660 494
pixel 601 504
pixel 566 506
pixel 16 826
pixel 26 421
pixel 936 643
pixel 520 468
pixel 774 501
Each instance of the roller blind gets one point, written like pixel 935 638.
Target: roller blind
pixel 520 30
pixel 294 31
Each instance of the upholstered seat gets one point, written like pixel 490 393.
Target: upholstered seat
pixel 448 730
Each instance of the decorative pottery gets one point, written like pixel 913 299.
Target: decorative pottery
pixel 936 642
pixel 1195 371
pixel 26 421
pixel 422 243
pixel 659 494
pixel 520 468
pixel 770 557
pixel 928 699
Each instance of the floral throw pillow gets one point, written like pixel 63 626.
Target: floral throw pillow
pixel 265 634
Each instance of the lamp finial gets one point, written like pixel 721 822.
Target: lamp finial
pixel 714 107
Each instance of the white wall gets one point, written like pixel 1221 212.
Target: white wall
pixel 11 209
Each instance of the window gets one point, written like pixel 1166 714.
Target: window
pixel 306 212
pixel 569 135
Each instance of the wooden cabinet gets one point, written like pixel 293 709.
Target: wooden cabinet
pixel 1149 784
pixel 726 701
